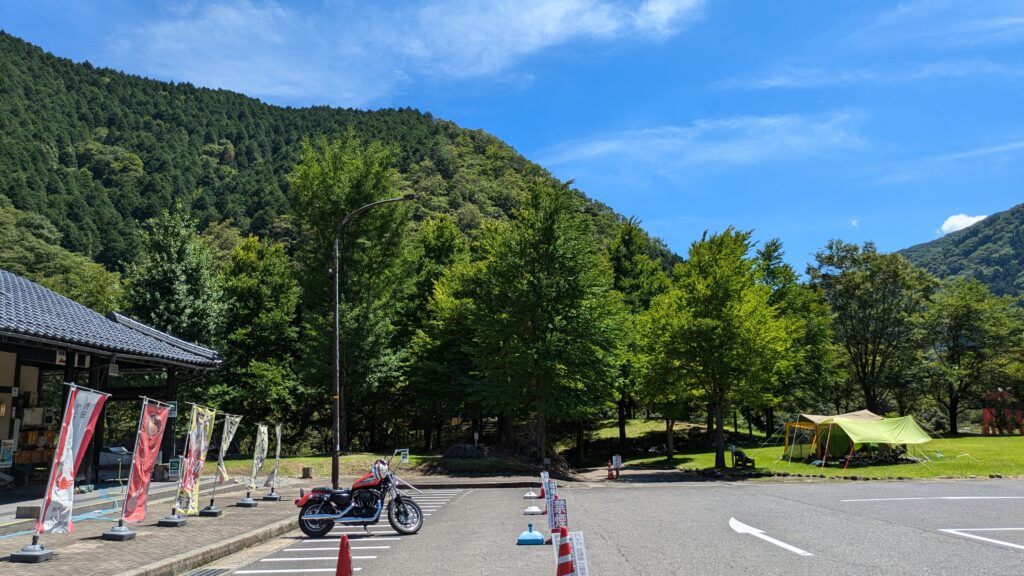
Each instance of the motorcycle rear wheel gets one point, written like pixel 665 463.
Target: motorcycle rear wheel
pixel 316 528
pixel 405 516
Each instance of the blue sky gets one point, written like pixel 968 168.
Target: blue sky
pixel 804 120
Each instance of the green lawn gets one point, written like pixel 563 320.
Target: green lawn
pixel 355 465
pixel 956 457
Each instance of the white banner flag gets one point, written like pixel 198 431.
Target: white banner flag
pixel 230 426
pixel 259 454
pixel 80 415
pixel 272 479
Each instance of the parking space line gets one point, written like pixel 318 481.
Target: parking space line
pixel 935 498
pixel 965 532
pixel 295 571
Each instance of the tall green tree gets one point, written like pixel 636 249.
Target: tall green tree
pixel 333 178
pixel 971 337
pixel 638 278
pixel 545 321
pixel 874 298
pixel 716 330
pixel 260 337
pixel 174 285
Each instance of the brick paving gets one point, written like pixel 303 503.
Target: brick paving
pixel 84 553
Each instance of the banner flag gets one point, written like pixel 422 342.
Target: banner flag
pixel 200 432
pixel 147 448
pixel 259 454
pixel 80 415
pixel 272 478
pixel 230 427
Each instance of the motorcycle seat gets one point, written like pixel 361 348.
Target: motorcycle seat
pixel 329 490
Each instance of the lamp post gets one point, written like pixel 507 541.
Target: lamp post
pixel 336 390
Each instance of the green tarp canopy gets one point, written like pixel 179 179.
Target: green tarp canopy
pixel 901 430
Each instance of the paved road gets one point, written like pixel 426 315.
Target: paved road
pixel 942 527
pixel 299 554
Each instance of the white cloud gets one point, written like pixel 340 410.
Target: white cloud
pixel 943 26
pixel 357 54
pixel 959 222
pixel 719 141
pixel 665 17
pixel 854 222
pixel 811 77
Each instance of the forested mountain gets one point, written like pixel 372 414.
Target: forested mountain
pixel 991 251
pixel 97 152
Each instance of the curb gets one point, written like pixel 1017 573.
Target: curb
pixel 197 558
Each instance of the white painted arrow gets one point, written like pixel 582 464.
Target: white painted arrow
pixel 744 529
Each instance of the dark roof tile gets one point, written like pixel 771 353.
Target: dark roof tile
pixel 30 310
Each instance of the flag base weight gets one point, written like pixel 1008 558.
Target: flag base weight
pixel 210 511
pixel 172 521
pixel 119 534
pixel 247 503
pixel 272 497
pixel 32 554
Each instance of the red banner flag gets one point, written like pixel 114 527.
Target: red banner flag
pixel 147 448
pixel 80 415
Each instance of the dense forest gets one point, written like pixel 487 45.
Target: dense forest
pixel 497 299
pixel 991 251
pixel 97 152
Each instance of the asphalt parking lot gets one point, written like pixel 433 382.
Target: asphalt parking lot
pixel 299 554
pixel 861 528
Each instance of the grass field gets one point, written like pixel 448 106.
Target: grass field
pixel 955 457
pixel 355 465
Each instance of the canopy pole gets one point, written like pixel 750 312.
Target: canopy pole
pixel 791 443
pixel 850 455
pixel 824 459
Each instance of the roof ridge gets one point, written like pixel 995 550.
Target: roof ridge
pixel 152 332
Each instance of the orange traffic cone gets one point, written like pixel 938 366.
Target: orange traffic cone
pixel 611 475
pixel 344 558
pixel 565 567
pixel 542 491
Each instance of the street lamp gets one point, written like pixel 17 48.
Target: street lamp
pixel 336 390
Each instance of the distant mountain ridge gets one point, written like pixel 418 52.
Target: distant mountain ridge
pixel 97 152
pixel 991 251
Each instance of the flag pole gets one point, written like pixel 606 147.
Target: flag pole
pixel 212 510
pixel 174 520
pixel 119 533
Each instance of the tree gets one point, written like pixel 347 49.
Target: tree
pixel 638 278
pixel 259 337
pixel 970 337
pixel 873 298
pixel 716 329
pixel 333 179
pixel 545 322
pixel 173 285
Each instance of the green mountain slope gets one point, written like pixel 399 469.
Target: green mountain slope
pixel 97 152
pixel 991 251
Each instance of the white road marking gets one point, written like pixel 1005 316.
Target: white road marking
pixel 935 498
pixel 295 571
pixel 744 529
pixel 964 532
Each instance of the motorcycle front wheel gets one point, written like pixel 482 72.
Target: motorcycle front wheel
pixel 316 528
pixel 405 516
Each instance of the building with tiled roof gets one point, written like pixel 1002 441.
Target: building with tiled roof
pixel 46 338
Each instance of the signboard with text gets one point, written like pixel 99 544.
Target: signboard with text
pixel 616 461
pixel 579 554
pixel 559 514
pixel 550 490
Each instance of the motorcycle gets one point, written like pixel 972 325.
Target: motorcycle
pixel 362 505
